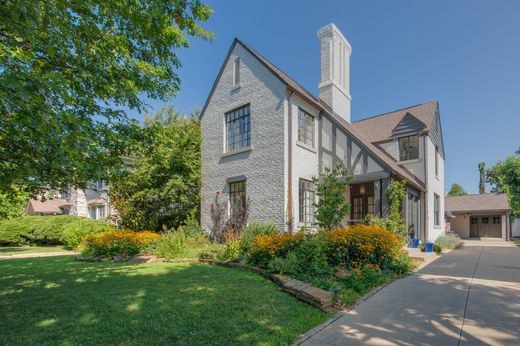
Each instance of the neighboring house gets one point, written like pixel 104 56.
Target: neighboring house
pixel 479 216
pixel 92 203
pixel 265 137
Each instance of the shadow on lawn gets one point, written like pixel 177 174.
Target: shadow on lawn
pixel 58 300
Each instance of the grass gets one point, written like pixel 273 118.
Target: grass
pixel 14 250
pixel 57 300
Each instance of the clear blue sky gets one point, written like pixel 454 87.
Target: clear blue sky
pixel 465 54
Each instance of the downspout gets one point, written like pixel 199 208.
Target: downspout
pixel 289 162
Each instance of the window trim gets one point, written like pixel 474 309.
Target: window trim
pixel 247 147
pixel 306 131
pixel 306 213
pixel 231 193
pixel 407 158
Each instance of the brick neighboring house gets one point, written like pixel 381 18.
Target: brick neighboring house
pixel 265 136
pixel 92 203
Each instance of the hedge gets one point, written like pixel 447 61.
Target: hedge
pixel 60 229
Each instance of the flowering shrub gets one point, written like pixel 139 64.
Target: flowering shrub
pixel 362 245
pixel 266 247
pixel 117 243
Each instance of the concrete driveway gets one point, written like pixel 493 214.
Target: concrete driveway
pixel 470 296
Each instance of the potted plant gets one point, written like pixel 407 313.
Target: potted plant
pixel 421 245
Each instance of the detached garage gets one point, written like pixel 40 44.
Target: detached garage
pixel 479 216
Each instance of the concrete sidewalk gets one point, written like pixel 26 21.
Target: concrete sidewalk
pixel 470 296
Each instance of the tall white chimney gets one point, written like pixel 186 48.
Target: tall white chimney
pixel 334 77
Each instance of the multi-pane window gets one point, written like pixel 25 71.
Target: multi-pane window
pixel 409 148
pixel 305 128
pixel 437 209
pixel 357 208
pixel 238 128
pixel 496 220
pixel 237 193
pixel 485 220
pixel 236 72
pixel 306 197
pixel 101 212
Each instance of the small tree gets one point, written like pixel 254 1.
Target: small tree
pixel 331 207
pixel 457 190
pixel 396 193
pixel 218 217
pixel 239 217
pixel 482 182
pixel 505 177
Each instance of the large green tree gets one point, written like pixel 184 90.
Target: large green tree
pixel 162 187
pixel 505 177
pixel 457 190
pixel 67 68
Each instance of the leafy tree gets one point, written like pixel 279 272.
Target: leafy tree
pixel 505 177
pixel 66 70
pixel 13 204
pixel 482 181
pixel 331 207
pixel 162 187
pixel 457 190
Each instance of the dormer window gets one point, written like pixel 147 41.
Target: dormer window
pixel 236 73
pixel 409 148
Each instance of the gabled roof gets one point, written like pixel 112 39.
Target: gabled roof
pixel 486 202
pixel 381 127
pixel 50 206
pixel 307 96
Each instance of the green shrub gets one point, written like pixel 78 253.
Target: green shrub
pixel 117 243
pixel 365 279
pixel 74 232
pixel 230 252
pixel 311 258
pixel 172 244
pixel 437 249
pixel 283 265
pixel 46 229
pixel 402 265
pixel 448 242
pixel 252 231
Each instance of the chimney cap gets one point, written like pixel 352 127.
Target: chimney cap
pixel 333 29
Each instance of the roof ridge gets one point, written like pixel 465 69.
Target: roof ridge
pixel 395 111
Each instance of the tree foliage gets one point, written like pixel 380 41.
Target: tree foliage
pixel 161 188
pixel 482 180
pixel 457 190
pixel 332 206
pixel 13 204
pixel 66 70
pixel 505 177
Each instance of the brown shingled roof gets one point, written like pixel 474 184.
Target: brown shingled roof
pixel 50 206
pixel 380 127
pixel 477 203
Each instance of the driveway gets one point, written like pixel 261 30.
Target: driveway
pixel 470 296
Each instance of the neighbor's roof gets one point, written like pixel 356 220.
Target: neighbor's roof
pixel 380 127
pixel 292 85
pixel 477 203
pixel 50 206
pixel 97 201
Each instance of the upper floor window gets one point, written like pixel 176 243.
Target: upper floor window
pixel 238 129
pixel 98 185
pixel 305 128
pixel 409 148
pixel 437 161
pixel 306 199
pixel 236 72
pixel 436 209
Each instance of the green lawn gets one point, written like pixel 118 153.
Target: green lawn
pixel 57 300
pixel 5 251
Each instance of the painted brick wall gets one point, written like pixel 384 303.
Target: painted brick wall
pixel 263 166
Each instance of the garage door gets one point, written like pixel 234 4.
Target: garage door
pixel 486 226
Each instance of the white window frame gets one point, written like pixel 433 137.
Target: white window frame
pixel 303 130
pixel 436 210
pixel 306 213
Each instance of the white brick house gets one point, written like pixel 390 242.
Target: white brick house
pixel 265 136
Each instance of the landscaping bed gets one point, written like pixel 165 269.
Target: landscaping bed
pixel 62 301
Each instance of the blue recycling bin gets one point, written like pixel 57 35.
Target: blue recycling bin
pixel 428 247
pixel 414 243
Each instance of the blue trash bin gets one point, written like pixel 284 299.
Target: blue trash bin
pixel 414 243
pixel 428 247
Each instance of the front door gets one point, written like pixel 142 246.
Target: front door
pixel 473 227
pixel 361 201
